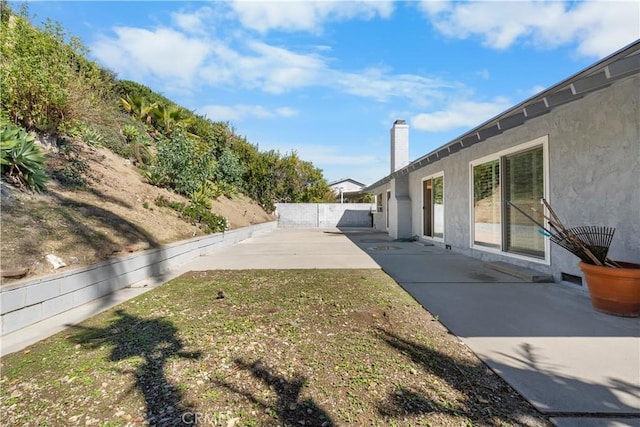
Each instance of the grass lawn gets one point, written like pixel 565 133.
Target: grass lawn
pixel 260 348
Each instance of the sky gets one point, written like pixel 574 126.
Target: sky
pixel 327 79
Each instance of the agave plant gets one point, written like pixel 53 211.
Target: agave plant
pixel 205 193
pixel 130 133
pixel 21 160
pixel 92 136
pixel 8 140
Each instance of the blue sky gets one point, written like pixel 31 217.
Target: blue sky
pixel 327 79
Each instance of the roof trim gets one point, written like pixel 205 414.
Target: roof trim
pixel 345 180
pixel 620 64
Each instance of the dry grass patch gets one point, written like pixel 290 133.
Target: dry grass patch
pixel 260 348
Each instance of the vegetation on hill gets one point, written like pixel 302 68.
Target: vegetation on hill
pixel 50 86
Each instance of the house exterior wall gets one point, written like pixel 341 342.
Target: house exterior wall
pixel 396 214
pixel 594 175
pixel 400 208
pixel 380 218
pixel 347 186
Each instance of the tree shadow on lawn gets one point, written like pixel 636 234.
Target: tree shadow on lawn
pixel 156 341
pixel 289 408
pixel 474 381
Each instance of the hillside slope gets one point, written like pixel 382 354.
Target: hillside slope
pixel 114 214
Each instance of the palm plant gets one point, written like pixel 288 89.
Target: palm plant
pixel 138 107
pixel 169 117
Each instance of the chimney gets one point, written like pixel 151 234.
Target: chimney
pixel 399 145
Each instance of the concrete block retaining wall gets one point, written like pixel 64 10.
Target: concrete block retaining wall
pixel 309 215
pixel 23 304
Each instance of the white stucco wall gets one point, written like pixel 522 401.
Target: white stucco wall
pixel 310 215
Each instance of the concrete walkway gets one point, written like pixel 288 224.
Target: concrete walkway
pixel 580 367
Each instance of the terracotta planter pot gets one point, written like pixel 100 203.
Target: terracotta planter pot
pixel 614 290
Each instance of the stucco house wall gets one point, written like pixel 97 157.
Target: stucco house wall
pixel 594 175
pixel 380 218
pixel 346 185
pixel 589 128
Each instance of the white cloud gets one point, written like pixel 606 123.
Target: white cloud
pixel 190 56
pixel 381 85
pixel 193 22
pixel 604 27
pixel 282 69
pixel 324 155
pixel 163 53
pixel 309 16
pixel 261 66
pixel 597 27
pixel 239 112
pixel 189 60
pixel 256 65
pixel 467 114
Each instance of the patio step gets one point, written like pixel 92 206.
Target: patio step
pixel 526 274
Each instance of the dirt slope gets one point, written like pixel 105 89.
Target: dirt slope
pixel 113 216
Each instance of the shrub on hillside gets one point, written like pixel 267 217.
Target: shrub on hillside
pixel 181 164
pixel 22 162
pixel 230 170
pixel 198 213
pixel 45 77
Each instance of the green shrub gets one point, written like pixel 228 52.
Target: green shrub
pixel 47 83
pixel 181 165
pixel 72 175
pixel 72 171
pixel 22 161
pixel 230 169
pixel 141 152
pixel 197 214
pixel 45 77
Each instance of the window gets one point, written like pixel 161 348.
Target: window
pixel 433 207
pixel 379 202
pixel 486 204
pixel 513 177
pixel 388 207
pixel 524 187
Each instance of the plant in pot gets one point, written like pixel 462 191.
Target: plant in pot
pixel 614 286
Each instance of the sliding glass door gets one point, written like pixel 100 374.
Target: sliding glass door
pixel 512 178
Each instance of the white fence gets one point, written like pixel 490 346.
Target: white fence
pixel 310 215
